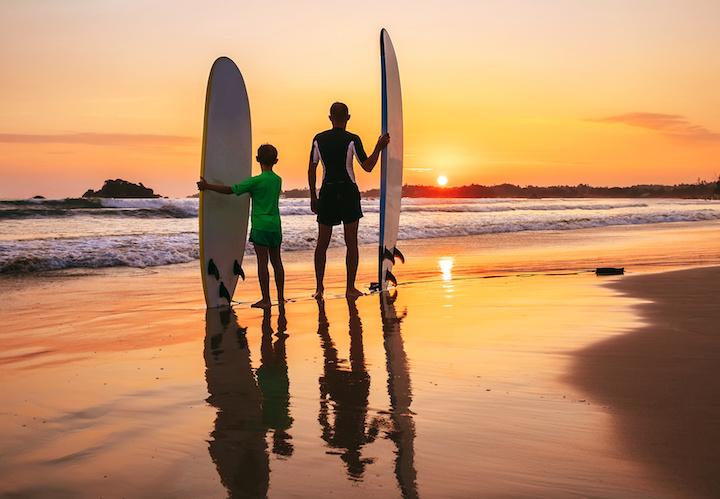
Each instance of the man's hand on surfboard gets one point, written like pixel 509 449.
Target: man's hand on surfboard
pixel 382 142
pixel 372 160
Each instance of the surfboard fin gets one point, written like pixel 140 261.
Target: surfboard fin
pixel 224 293
pixel 389 277
pixel 389 298
pixel 387 255
pixel 213 270
pixel 392 255
pixel 215 342
pixel 225 317
pixel 237 269
pixel 242 339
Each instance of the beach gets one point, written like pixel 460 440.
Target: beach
pixel 501 366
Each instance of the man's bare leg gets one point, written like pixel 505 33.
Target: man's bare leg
pixel 323 241
pixel 351 259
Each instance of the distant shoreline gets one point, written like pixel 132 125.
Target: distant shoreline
pixel 699 190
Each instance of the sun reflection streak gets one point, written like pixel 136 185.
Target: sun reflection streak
pixel 446 265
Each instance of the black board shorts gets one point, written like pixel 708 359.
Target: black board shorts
pixel 338 203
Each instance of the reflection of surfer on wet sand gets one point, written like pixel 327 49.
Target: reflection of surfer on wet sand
pixel 399 389
pixel 344 392
pixel 272 378
pixel 238 446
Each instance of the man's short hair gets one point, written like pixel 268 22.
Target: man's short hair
pixel 267 154
pixel 339 110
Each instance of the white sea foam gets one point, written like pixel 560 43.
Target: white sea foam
pixel 132 251
pixel 57 234
pixel 159 207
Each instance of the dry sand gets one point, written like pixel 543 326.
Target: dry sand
pixel 543 381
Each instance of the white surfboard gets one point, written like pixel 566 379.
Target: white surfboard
pixel 391 165
pixel 226 160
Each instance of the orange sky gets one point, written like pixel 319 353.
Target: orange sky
pixel 604 92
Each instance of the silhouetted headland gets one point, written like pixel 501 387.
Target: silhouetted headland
pixel 121 189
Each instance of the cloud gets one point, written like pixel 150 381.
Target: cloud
pixel 100 139
pixel 672 125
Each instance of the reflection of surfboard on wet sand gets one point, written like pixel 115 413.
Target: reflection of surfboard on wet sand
pixel 226 160
pixel 400 391
pixel 237 445
pixel 391 166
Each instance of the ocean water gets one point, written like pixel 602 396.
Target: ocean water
pixel 39 235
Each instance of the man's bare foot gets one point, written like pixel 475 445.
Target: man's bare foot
pixel 353 293
pixel 262 304
pixel 318 294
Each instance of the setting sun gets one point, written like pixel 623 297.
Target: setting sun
pixel 594 114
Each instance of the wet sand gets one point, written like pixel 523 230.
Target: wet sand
pixel 502 367
pixel 662 380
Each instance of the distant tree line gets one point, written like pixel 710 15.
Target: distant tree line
pixel 297 193
pixel 700 189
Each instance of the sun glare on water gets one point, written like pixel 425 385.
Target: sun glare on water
pixel 442 180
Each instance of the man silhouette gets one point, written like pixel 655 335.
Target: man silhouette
pixel 339 199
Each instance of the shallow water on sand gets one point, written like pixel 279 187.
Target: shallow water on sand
pixel 118 384
pixel 395 399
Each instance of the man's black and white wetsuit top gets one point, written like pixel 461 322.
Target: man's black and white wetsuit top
pixel 336 148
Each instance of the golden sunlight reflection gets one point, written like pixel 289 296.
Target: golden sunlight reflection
pixel 446 265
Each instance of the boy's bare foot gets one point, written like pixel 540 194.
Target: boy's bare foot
pixel 262 304
pixel 353 293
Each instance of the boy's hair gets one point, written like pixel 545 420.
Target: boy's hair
pixel 339 110
pixel 267 155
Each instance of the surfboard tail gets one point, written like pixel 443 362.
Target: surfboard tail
pixel 381 259
pixel 389 277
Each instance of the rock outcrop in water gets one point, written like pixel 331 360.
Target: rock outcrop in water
pixel 121 189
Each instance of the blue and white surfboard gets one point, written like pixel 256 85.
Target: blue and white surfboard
pixel 391 166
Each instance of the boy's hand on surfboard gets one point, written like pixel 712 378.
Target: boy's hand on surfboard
pixel 202 184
